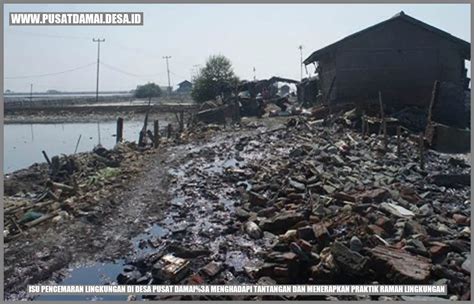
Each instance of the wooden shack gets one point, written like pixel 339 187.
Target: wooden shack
pixel 401 57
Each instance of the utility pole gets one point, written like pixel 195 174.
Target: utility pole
pixel 168 70
pixel 254 74
pixel 31 93
pixel 98 62
pixel 301 61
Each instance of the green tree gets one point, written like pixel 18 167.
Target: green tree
pixel 216 78
pixel 148 90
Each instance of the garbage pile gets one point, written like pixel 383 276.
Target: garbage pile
pixel 66 187
pixel 314 203
pixel 260 98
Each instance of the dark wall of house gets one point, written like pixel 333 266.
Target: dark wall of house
pixel 399 59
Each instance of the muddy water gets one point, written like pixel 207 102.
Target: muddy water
pixel 103 273
pixel 23 143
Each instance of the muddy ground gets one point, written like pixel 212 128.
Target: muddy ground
pixel 91 113
pixel 276 200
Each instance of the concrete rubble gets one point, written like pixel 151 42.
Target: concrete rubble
pixel 313 201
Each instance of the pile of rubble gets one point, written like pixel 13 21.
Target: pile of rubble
pixel 65 187
pixel 314 203
pixel 346 210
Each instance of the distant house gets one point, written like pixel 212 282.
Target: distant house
pixel 401 57
pixel 184 87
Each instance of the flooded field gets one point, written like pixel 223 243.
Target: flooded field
pixel 23 143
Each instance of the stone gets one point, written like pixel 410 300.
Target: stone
pixel 374 229
pixel 344 197
pixel 267 212
pixel 399 266
pixel 192 251
pixel 373 196
pixel 306 233
pixel 426 210
pixel 396 210
pixel 384 222
pixel 438 249
pixel 460 219
pixel 195 279
pixel 416 246
pixel 297 185
pixel 253 230
pixel 413 228
pixel 329 189
pixel 281 222
pixel 266 281
pixel 349 261
pixel 257 199
pixel 130 277
pixel 242 214
pixel 321 233
pixel 212 268
pixel 466 265
pixel 281 272
pixel 355 244
pixel 290 235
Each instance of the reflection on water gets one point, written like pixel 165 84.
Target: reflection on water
pixel 97 274
pixel 23 143
pixel 103 273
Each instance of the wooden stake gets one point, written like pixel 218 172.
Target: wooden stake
pixel 119 129
pixel 434 98
pixel 77 143
pixel 363 124
pixel 156 133
pixel 46 157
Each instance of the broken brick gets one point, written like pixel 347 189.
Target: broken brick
pixel 400 266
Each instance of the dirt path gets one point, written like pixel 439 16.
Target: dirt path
pixel 104 234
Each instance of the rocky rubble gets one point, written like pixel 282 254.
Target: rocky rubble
pixel 70 187
pixel 319 204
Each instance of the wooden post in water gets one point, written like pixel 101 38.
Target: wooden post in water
pixel 46 157
pixel 119 129
pixel 141 138
pixel 422 151
pixel 77 143
pixel 156 133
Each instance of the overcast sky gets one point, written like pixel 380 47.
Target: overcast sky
pixel 264 36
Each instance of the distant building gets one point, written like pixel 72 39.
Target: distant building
pixel 184 87
pixel 401 57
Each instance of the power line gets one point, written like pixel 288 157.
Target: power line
pixel 128 73
pixel 51 74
